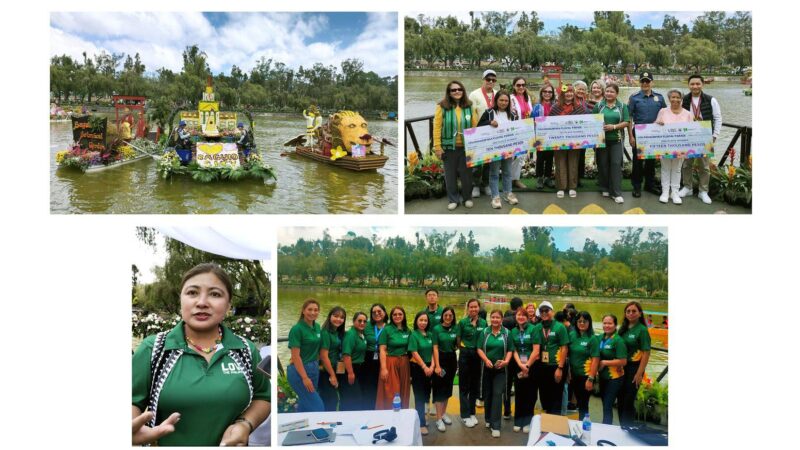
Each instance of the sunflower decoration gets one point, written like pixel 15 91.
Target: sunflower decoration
pixel 615 372
pixel 564 88
pixel 587 366
pixel 637 356
pixel 337 153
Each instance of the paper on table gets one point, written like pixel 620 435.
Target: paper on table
pixel 557 439
pixel 346 429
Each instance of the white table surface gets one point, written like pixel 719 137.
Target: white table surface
pixel 612 433
pixel 406 422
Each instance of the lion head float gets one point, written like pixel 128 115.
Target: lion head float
pixel 348 128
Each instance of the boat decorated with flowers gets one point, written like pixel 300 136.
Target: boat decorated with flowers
pixel 212 145
pixel 342 141
pixel 494 299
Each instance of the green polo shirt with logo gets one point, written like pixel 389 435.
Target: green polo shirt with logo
pixel 637 340
pixel 434 317
pixel 395 340
pixel 612 348
pixel 445 338
pixel 523 339
pixel 331 342
pixel 422 344
pixel 551 342
pixel 495 345
pixel 307 338
pixel 613 116
pixel 468 333
pixel 355 345
pixel 581 351
pixel 372 339
pixel 208 395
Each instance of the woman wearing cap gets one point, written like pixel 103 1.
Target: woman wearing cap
pixel 395 375
pixel 372 359
pixel 567 160
pixel 522 105
pixel 609 159
pixel 453 115
pixel 525 354
pixel 494 349
pixel 303 371
pixel 637 342
pixel 544 159
pixel 330 351
pixel 584 359
pixel 354 348
pixel 671 167
pixel 469 364
pixel 613 357
pixel 420 346
pixel 444 359
pixel 207 376
pixel 500 113
pixel 553 338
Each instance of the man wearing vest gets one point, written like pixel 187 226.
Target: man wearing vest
pixel 703 107
pixel 644 107
pixel 483 99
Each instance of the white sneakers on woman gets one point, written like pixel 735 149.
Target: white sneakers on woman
pixel 676 198
pixel 572 193
pixel 664 198
pixel 512 199
pixel 619 199
pixel 496 203
pixel 446 420
pixel 452 206
pixel 440 425
pixel 560 194
pixel 495 433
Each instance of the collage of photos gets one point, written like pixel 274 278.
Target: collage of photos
pixel 317 299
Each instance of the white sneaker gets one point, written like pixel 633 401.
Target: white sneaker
pixel 474 420
pixel 704 197
pixel 478 402
pixel 446 420
pixel 572 193
pixel 685 191
pixel 560 194
pixel 468 422
pixel 619 199
pixel 664 196
pixel 495 433
pixel 452 206
pixel 487 190
pixel 516 429
pixel 440 425
pixel 605 194
pixel 476 192
pixel 526 429
pixel 512 199
pixel 496 204
pixel 676 198
pixel 468 203
pixel 488 425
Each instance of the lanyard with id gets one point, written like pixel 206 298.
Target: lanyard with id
pixel 376 356
pixel 523 355
pixel 546 353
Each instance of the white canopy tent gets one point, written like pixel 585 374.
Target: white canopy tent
pixel 231 242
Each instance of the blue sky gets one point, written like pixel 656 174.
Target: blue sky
pixel 239 38
pixel 487 237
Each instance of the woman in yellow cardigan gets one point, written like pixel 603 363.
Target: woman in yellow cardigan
pixel 453 115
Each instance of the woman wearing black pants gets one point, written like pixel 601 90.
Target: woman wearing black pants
pixel 469 365
pixel 372 362
pixel 354 346
pixel 525 353
pixel 584 359
pixel 420 346
pixel 637 342
pixel 444 361
pixel 553 338
pixel 494 349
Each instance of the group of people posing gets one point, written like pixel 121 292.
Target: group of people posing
pixel 487 105
pixel 549 355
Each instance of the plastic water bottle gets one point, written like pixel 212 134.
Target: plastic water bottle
pixel 396 402
pixel 587 430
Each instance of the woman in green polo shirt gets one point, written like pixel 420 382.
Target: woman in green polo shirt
pixel 494 349
pixel 420 346
pixel 372 357
pixel 613 357
pixel 469 365
pixel 444 360
pixel 330 361
pixel 303 371
pixel 354 348
pixel 609 160
pixel 395 375
pixel 525 354
pixel 637 341
pixel 209 391
pixel 554 339
pixel 584 359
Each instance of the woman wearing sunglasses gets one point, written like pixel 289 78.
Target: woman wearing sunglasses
pixel 453 115
pixel 354 349
pixel 522 105
pixel 372 360
pixel 544 159
pixel 584 359
pixel 395 371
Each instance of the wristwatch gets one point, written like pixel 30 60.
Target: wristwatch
pixel 249 424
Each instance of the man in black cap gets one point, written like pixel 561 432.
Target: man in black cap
pixel 644 107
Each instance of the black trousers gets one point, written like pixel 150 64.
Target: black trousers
pixel 443 386
pixel 328 393
pixel 544 163
pixel 455 168
pixel 421 385
pixel 578 386
pixel 352 397
pixel 494 385
pixel 369 382
pixel 524 398
pixel 550 392
pixel 582 164
pixel 511 374
pixel 469 380
pixel 643 168
pixel 627 395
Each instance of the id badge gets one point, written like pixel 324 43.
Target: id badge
pixel 340 369
pixel 546 357
pixel 523 358
pixel 376 356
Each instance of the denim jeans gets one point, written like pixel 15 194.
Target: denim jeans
pixel 306 401
pixel 494 176
pixel 610 390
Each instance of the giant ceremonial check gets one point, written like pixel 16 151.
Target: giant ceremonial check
pixel 570 132
pixel 674 140
pixel 487 143
pixel 217 154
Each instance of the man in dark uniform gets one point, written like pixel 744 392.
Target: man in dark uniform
pixel 644 107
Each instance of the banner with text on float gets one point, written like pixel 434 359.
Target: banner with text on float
pixel 217 155
pixel 570 132
pixel 674 140
pixel 487 143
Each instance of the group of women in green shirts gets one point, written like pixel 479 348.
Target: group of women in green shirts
pixel 383 356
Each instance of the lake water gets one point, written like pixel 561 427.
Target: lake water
pixel 291 298
pixel 422 92
pixel 303 186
